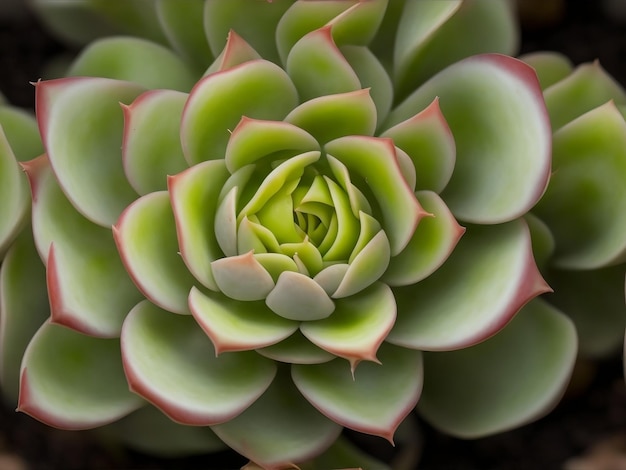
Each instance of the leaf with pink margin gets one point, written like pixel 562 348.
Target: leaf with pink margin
pixel 372 76
pixel 193 197
pixel 74 381
pixel 254 139
pixel 170 362
pixel 279 429
pixel 427 139
pixel 375 400
pixel 184 29
pixel 257 89
pixel 83 265
pixel 509 380
pixel 329 117
pixel 14 195
pixel 149 431
pixel 237 326
pixel 352 22
pixel 434 240
pixel 318 68
pixel 374 159
pixel 358 326
pixel 426 37
pixel 495 109
pixel 594 301
pixel 242 277
pixel 151 147
pixel 136 60
pixel 585 202
pixel 298 297
pixel 296 349
pixel 236 52
pixel 551 67
pixel 586 88
pixel 81 124
pixel 486 280
pixel 256 26
pixel 21 315
pixel 146 239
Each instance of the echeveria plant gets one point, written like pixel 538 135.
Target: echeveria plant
pixel 291 247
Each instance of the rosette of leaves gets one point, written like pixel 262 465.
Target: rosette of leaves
pixel 579 229
pixel 283 252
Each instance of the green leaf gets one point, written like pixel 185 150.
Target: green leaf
pixel 507 381
pixel 170 361
pixel 298 297
pixel 551 67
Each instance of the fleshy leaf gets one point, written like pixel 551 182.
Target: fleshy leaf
pixel 236 52
pixel 253 139
pixel 149 431
pixel 73 381
pixel 279 429
pixel 20 315
pixel 344 454
pixel 375 160
pixel 81 124
pixel 242 277
pixel 551 67
pixel 594 300
pixel 318 68
pixel 184 28
pixel 433 241
pixel 426 37
pixel 495 109
pixel 585 201
pixel 136 60
pixel 542 240
pixel 193 196
pixel 257 89
pixel 151 146
pixel 170 361
pixel 233 325
pixel 257 25
pixel 296 350
pixel 427 139
pixel 507 381
pixel 358 326
pixel 146 240
pixel 83 265
pixel 329 117
pixel 298 297
pixel 375 400
pixel 586 88
pixel 21 132
pixel 489 276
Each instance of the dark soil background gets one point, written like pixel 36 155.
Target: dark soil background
pixel 586 432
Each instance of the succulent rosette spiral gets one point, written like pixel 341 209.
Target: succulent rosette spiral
pixel 578 223
pixel 284 251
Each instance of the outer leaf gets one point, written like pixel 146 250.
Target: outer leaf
pixel 551 67
pixel 585 201
pixel 20 315
pixel 496 112
pixel 318 68
pixel 83 265
pixel 169 360
pixel 81 124
pixel 375 400
pixel 279 429
pixel 145 236
pixel 490 275
pixel 257 89
pixel 151 146
pixel 193 196
pixel 509 380
pixel 73 381
pixel 21 132
pixel 358 326
pixel 236 325
pixel 135 60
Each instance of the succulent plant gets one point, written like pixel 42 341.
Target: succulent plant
pixel 580 231
pixel 293 246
